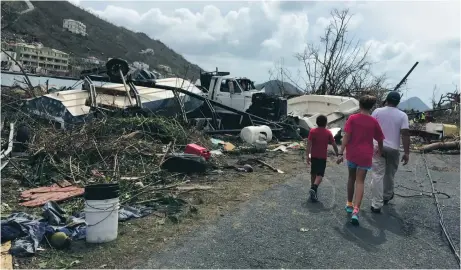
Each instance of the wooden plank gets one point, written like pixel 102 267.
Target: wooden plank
pixel 6 260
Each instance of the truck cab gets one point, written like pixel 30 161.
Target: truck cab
pixel 228 91
pixel 240 94
pixel 233 92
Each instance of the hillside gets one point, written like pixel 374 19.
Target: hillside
pixel 414 103
pixel 279 88
pixel 104 40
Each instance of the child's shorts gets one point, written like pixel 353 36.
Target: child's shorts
pixel 352 165
pixel 318 166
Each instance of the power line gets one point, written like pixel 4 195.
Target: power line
pixel 441 221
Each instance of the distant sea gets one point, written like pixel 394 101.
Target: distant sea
pixel 10 79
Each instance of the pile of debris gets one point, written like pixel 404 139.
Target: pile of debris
pixel 429 137
pixel 150 158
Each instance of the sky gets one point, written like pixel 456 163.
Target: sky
pixel 249 38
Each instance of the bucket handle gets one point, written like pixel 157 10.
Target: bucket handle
pixel 102 209
pixel 88 225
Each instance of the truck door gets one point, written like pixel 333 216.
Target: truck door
pixel 223 96
pixel 237 97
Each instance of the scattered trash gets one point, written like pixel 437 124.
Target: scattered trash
pixel 245 168
pixel 53 213
pixel 251 134
pixel 304 230
pixel 261 142
pixel 197 150
pixel 226 146
pixel 269 166
pixel 25 231
pixel 193 187
pixel 217 142
pixel 184 163
pixel 6 260
pixel 139 184
pixel 282 148
pixel 59 240
pixel 40 196
pixel 131 212
pixel 216 153
pixel 295 145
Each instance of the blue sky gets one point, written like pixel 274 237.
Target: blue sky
pixel 248 38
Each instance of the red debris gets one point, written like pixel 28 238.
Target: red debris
pixel 39 196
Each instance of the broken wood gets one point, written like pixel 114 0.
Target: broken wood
pixel 166 153
pixel 193 188
pixel 440 146
pixel 6 259
pixel 268 166
pixel 130 135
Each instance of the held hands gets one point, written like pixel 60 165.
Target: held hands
pixel 340 159
pixel 405 159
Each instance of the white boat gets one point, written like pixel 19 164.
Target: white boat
pixel 308 107
pixel 72 106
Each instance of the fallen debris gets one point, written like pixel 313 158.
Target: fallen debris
pixel 440 146
pixel 184 163
pixel 193 188
pixel 269 166
pixel 6 260
pixel 39 196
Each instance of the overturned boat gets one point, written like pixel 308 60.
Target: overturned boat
pixel 113 93
pixel 304 110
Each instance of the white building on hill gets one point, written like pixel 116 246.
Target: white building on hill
pixel 75 27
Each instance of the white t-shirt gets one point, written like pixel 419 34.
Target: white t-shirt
pixel 391 120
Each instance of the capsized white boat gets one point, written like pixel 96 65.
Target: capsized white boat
pixel 308 107
pixel 70 106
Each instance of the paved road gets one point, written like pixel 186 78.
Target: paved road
pixel 265 232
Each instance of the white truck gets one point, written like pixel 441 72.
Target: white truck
pixel 241 94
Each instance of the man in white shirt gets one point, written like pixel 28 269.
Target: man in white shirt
pixel 394 124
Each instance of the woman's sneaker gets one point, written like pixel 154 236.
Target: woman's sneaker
pixel 349 209
pixel 355 217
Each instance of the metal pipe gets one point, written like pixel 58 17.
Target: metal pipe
pixel 9 149
pixel 126 87
pixel 405 77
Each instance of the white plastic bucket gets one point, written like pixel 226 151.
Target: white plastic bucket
pixel 251 134
pixel 102 220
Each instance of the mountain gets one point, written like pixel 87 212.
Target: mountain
pixel 279 88
pixel 104 40
pixel 414 103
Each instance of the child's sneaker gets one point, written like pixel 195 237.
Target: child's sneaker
pixel 349 209
pixel 355 217
pixel 313 194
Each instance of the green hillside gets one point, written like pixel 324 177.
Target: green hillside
pixel 104 40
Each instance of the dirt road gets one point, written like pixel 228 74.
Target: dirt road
pixel 279 229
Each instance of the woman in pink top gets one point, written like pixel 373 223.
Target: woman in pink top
pixel 360 129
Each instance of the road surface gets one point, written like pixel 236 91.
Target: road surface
pixel 280 229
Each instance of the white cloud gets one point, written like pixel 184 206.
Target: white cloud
pixel 290 35
pixel 246 38
pixel 74 2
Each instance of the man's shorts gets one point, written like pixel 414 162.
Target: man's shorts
pixel 318 166
pixel 352 165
